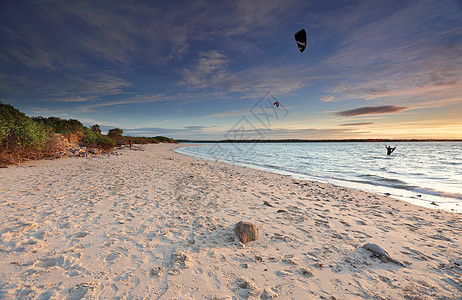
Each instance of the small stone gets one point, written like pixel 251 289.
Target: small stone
pixel 246 232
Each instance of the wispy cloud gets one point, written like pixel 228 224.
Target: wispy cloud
pixel 85 88
pixel 181 132
pixel 400 53
pixel 329 98
pixel 371 110
pixel 101 84
pixel 138 99
pixel 233 113
pixel 209 69
pixel 74 99
pixel 358 124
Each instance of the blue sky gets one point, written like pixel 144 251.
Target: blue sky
pixel 212 69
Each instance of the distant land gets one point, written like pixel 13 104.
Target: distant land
pixel 319 141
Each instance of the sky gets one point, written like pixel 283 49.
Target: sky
pixel 213 69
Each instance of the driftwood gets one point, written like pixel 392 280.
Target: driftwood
pixel 132 147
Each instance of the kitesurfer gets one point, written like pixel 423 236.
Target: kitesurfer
pixel 390 149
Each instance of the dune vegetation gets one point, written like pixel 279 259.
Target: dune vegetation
pixel 23 138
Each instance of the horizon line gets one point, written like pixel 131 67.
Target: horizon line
pixel 313 140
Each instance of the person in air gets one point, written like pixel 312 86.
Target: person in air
pixel 389 149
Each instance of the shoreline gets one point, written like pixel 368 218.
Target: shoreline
pixel 420 196
pixel 159 224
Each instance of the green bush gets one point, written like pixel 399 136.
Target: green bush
pixel 115 134
pixel 162 139
pixel 96 128
pixel 18 130
pixel 61 126
pixel 97 140
pixel 22 137
pixel 136 140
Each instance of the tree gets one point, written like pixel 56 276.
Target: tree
pixel 95 128
pixel 115 133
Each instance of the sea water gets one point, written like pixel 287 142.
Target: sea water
pixel 423 173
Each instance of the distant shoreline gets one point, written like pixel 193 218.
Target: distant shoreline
pixel 320 141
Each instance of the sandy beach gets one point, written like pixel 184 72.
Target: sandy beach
pixel 155 224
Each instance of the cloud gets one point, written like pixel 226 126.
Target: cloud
pixel 211 71
pixel 329 98
pixel 75 99
pixel 233 113
pixel 138 99
pixel 400 52
pixel 209 68
pixel 101 84
pixel 371 110
pixel 357 124
pixel 84 88
pixel 181 132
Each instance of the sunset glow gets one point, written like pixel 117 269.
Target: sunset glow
pixel 371 69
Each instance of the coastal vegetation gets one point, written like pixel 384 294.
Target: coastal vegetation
pixel 23 137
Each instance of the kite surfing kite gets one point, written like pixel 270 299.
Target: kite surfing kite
pixel 276 103
pixel 300 38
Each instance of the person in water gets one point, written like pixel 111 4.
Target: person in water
pixel 389 149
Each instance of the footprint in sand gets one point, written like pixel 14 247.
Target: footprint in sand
pixel 78 292
pixel 112 257
pixel 81 235
pixel 108 292
pixel 49 262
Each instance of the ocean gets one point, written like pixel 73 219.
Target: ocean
pixel 428 174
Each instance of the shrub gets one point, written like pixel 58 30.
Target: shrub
pixel 115 134
pixel 163 139
pixel 18 129
pixel 20 136
pixel 65 127
pixel 97 140
pixel 96 128
pixel 138 139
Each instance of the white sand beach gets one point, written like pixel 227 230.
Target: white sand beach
pixel 155 224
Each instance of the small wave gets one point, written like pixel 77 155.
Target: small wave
pixel 432 192
pixel 451 163
pixel 378 178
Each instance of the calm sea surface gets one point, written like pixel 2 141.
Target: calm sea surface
pixel 424 173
